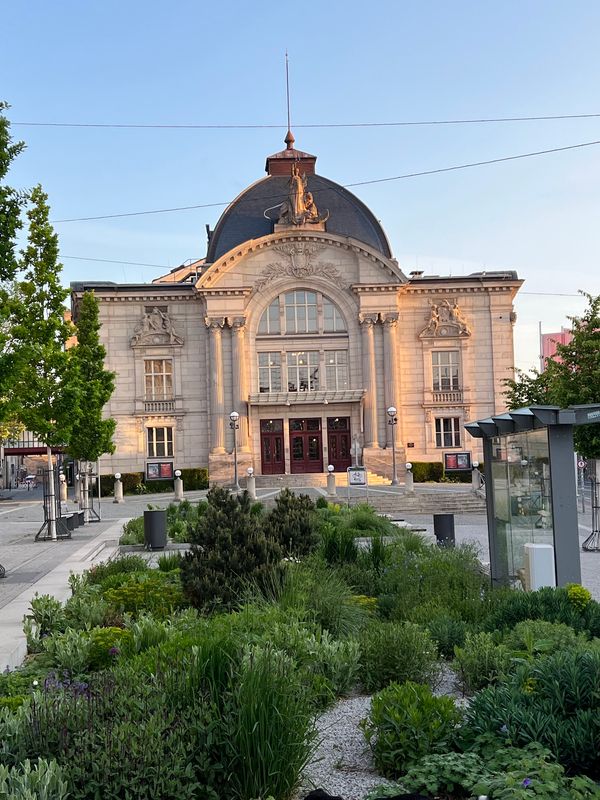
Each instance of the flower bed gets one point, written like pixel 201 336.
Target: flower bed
pixel 208 676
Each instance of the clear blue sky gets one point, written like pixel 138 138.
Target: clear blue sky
pixel 222 63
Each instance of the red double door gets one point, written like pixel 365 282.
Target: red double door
pixel 306 445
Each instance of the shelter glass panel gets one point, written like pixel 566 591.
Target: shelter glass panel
pixel 522 497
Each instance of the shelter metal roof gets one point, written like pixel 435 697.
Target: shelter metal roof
pixel 532 418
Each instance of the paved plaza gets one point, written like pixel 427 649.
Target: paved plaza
pixel 44 566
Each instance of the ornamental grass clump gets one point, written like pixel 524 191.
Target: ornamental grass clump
pixel 407 722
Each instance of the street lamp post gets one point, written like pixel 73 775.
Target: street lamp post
pixel 234 424
pixel 393 421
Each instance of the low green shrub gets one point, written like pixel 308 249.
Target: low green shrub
pixel 406 723
pixel 41 781
pixel 87 608
pixel 106 645
pixel 118 566
pixel 69 650
pixel 553 701
pixel 440 775
pixel 158 593
pixel 533 638
pixel 133 482
pixel 47 613
pixel 396 652
pixel 508 607
pixel 13 702
pixel 145 632
pixel 447 633
pixel 133 531
pixel 480 661
pixel 424 471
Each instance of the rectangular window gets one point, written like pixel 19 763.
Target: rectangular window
pixel 160 442
pixel 445 370
pixel 158 376
pixel 303 371
pixel 447 432
pixel 336 369
pixel 269 372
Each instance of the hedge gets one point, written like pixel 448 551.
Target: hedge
pixel 434 471
pixel 134 483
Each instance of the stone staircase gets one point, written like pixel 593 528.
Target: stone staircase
pixel 422 501
pixel 313 480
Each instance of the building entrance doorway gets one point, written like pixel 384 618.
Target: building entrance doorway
pixel 271 447
pixel 339 443
pixel 306 446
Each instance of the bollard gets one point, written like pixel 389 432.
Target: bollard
pixel 331 489
pixel 251 483
pixel 409 481
pixel 63 489
pixel 178 486
pixel 475 477
pixel 118 489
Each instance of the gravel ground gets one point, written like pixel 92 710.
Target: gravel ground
pixel 342 763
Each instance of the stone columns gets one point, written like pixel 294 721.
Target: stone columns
pixel 368 322
pixel 217 397
pixel 240 389
pixel 390 324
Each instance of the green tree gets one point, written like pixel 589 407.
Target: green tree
pixel 571 378
pixel 43 387
pixel 91 435
pixel 11 205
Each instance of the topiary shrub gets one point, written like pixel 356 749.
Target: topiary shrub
pixel 396 652
pixel 229 550
pixel 407 722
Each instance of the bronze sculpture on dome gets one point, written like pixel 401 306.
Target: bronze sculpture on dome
pixel 300 207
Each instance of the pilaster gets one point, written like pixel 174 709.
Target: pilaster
pixel 240 387
pixel 368 322
pixel 390 324
pixel 217 395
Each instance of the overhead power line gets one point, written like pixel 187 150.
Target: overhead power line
pixel 347 185
pixel 222 126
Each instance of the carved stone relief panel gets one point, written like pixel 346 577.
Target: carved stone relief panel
pixel 299 260
pixel 445 320
pixel 155 327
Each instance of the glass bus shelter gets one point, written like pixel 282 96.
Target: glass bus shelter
pixel 531 492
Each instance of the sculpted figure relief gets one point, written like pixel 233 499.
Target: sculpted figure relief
pixel 445 320
pixel 155 327
pixel 300 206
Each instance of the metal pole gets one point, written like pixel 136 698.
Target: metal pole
pixel 394 471
pixel 235 459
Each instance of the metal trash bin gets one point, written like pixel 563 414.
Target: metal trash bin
pixel 443 528
pixel 81 515
pixel 75 520
pixel 69 520
pixel 155 529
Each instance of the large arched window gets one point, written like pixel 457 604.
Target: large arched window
pixel 301 312
pixel 286 365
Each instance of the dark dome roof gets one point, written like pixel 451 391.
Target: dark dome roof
pixel 244 218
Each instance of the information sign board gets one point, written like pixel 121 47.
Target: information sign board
pixel 457 462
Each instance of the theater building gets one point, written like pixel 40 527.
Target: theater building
pixel 300 319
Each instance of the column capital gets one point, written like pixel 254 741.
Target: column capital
pixel 391 320
pixel 368 320
pixel 237 324
pixel 214 324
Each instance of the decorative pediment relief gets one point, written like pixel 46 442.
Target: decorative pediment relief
pixel 299 261
pixel 155 328
pixel 445 320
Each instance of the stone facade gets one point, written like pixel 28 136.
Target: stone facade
pixel 310 335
